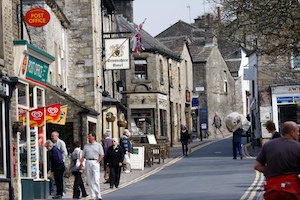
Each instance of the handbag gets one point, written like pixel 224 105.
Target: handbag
pixel 77 165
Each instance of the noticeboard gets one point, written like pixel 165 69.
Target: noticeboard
pixel 203 116
pixel 137 158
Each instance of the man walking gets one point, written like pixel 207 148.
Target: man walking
pixel 126 146
pixel 107 142
pixel 279 160
pixel 61 145
pixel 93 153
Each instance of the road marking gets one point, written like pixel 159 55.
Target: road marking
pixel 254 187
pixel 157 169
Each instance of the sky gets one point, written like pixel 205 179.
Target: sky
pixel 161 14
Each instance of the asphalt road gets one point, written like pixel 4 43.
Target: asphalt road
pixel 207 173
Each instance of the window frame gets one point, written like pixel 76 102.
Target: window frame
pixel 225 82
pixel 3 139
pixel 142 73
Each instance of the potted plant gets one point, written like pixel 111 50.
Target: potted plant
pixel 110 117
pixel 121 120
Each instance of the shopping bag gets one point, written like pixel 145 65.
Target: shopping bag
pixel 126 159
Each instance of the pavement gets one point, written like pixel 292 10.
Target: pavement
pixel 137 175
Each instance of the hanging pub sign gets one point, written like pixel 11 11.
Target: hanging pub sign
pixel 37 17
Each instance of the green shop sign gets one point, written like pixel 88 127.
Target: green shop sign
pixel 37 70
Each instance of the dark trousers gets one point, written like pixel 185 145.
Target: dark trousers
pixel 236 147
pixel 78 183
pixel 58 178
pixel 114 176
pixel 184 147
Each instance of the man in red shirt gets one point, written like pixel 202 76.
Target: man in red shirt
pixel 279 160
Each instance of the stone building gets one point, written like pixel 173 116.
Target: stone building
pixel 213 85
pixel 8 81
pixel 275 92
pixel 157 96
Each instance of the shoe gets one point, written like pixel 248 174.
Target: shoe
pixel 234 158
pixel 116 186
pixel 85 196
pixel 57 197
pixel 241 155
pixel 127 171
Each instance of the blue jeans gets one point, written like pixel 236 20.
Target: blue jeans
pixel 236 147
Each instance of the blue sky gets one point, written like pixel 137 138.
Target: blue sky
pixel 161 14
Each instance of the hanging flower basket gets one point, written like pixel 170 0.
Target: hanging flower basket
pixel 122 123
pixel 110 117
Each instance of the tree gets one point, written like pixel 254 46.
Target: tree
pixel 270 27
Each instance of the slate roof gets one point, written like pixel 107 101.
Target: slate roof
pixel 72 99
pixel 150 43
pixel 231 53
pixel 180 28
pixel 174 43
pixel 200 53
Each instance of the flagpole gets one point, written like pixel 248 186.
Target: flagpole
pixel 132 33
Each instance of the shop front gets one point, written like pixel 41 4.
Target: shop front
pixel 286 104
pixel 7 150
pixel 31 65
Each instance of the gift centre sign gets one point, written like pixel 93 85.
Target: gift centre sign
pixel 37 17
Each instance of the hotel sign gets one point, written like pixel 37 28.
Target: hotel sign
pixel 117 53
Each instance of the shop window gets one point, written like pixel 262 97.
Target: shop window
pixel 22 94
pixel 2 139
pixel 140 67
pixel 142 120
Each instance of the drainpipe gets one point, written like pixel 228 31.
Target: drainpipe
pixel 170 105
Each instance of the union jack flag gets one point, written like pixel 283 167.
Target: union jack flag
pixel 137 45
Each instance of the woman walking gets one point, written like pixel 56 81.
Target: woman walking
pixel 185 139
pixel 77 171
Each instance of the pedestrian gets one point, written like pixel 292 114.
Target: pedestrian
pixel 237 143
pixel 107 142
pixel 114 156
pixel 57 167
pixel 126 146
pixel 93 153
pixel 61 145
pixel 217 124
pixel 78 182
pixel 270 126
pixel 279 160
pixel 185 139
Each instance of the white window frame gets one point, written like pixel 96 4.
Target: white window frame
pixel 4 175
